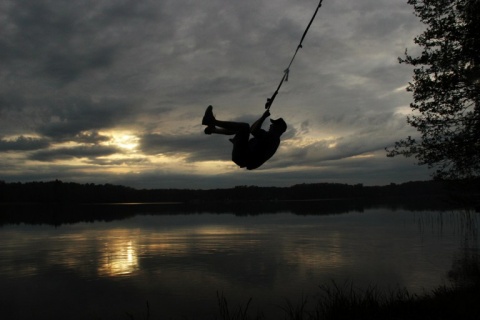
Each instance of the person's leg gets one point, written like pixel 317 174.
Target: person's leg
pixel 241 130
pixel 213 129
pixel 233 127
pixel 224 127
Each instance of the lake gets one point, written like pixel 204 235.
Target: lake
pixel 173 265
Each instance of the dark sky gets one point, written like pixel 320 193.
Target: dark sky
pixel 114 91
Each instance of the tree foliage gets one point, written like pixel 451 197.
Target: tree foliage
pixel 445 87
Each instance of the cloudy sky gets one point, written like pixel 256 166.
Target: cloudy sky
pixel 108 91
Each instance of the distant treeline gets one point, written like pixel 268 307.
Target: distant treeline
pixel 69 192
pixel 57 202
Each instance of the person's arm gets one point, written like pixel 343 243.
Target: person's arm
pixel 257 125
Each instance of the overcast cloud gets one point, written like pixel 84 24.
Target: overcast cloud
pixel 114 91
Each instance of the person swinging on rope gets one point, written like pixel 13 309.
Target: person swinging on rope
pixel 248 152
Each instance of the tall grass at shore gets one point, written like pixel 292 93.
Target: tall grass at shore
pixel 344 302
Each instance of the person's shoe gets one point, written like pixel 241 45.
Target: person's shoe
pixel 209 130
pixel 208 118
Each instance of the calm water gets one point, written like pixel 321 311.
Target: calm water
pixel 104 270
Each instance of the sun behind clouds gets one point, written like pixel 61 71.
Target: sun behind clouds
pixel 124 140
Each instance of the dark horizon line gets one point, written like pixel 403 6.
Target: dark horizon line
pixel 361 184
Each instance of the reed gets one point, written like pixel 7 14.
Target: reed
pixel 239 313
pixel 344 302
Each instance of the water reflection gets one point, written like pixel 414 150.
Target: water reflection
pixel 178 262
pixel 312 255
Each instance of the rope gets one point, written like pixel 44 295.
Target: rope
pixel 287 71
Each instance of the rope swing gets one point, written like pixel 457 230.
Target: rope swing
pixel 286 71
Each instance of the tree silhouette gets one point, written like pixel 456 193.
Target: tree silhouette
pixel 445 86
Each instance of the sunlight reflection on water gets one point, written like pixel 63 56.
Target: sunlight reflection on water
pixel 119 257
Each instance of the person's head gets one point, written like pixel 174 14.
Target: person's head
pixel 278 125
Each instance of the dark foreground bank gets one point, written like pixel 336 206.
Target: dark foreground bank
pixel 344 302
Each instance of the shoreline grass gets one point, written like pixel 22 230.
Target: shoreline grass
pixel 346 302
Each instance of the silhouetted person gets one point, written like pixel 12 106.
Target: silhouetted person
pixel 248 153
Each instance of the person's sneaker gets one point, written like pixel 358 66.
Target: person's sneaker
pixel 208 118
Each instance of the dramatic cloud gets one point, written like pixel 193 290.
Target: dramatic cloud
pixel 114 91
pixel 23 143
pixel 75 152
